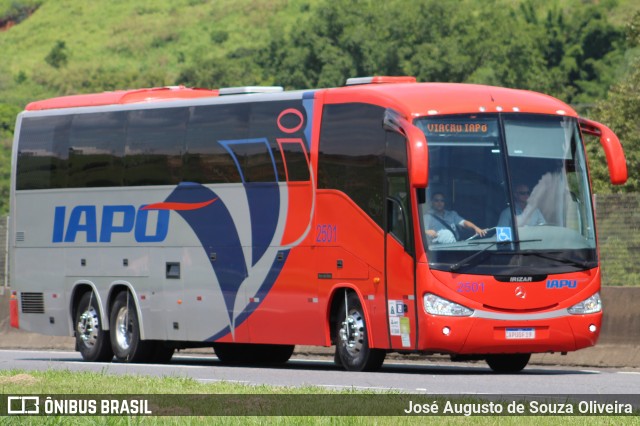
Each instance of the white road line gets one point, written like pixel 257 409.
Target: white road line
pixel 130 365
pixel 222 380
pixel 28 351
pixel 350 387
pixel 628 372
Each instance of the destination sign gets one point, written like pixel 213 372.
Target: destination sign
pixel 457 127
pixel 475 129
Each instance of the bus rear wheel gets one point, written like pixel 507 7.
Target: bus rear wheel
pixel 508 363
pixel 352 342
pixel 161 353
pixel 125 331
pixel 91 340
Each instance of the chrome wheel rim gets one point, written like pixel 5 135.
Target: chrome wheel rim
pixel 123 328
pixel 352 332
pixel 88 327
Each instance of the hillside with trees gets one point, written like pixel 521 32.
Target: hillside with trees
pixel 583 52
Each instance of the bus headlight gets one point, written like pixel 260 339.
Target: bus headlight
pixel 590 305
pixel 438 306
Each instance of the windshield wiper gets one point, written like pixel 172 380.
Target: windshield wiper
pixel 573 262
pixel 466 260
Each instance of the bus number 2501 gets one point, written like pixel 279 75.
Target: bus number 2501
pixel 470 287
pixel 326 233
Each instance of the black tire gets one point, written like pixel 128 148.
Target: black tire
pixel 275 354
pixel 161 353
pixel 92 341
pixel 246 353
pixel 352 342
pixel 232 353
pixel 508 363
pixel 125 331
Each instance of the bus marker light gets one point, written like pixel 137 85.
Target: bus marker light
pixel 446 331
pixel 592 328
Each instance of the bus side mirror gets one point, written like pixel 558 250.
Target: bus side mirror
pixel 416 147
pixel 612 149
pixel 418 156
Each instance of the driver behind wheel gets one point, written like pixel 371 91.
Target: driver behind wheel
pixel 442 225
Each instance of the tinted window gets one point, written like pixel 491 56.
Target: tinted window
pixel 351 156
pixel 247 142
pixel 96 148
pixel 155 144
pixel 43 153
pixel 295 155
pixel 207 160
pixel 264 123
pixel 396 157
pixel 254 159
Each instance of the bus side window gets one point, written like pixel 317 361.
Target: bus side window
pixel 396 220
pixel 155 143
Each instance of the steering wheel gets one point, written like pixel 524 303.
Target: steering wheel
pixel 476 236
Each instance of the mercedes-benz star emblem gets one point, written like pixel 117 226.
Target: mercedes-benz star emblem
pixel 520 292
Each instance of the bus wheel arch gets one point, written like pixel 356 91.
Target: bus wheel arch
pixel 92 337
pixel 350 333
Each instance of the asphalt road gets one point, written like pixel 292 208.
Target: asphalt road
pixel 429 378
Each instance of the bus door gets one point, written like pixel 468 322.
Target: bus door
pixel 399 263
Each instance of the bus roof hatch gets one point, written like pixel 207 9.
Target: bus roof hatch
pixel 244 90
pixel 379 79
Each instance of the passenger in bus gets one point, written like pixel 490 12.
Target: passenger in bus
pixel 526 214
pixel 442 225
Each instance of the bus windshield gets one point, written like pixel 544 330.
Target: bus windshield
pixel 519 179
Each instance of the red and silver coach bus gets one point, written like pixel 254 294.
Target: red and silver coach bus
pixel 383 216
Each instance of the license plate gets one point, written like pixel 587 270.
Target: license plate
pixel 520 333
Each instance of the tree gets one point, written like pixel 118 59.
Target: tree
pixel 620 111
pixel 8 115
pixel 57 56
pixel 340 39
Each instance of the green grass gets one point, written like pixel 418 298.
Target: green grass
pixel 232 397
pixel 136 44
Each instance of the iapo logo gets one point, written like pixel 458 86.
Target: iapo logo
pixel 562 283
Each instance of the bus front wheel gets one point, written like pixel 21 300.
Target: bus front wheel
pixel 91 340
pixel 508 363
pixel 352 342
pixel 125 331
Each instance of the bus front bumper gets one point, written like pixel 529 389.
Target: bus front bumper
pixel 490 334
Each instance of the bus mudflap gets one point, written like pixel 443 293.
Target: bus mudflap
pixel 13 312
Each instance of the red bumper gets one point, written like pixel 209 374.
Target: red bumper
pixel 470 335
